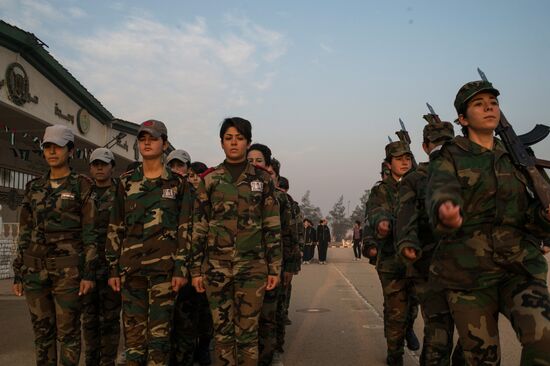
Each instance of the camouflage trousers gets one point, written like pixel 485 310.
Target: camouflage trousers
pixel 282 314
pixel 147 307
pixel 55 308
pixel 437 348
pixel 400 310
pixel 192 319
pixel 521 299
pixel 235 291
pixel 268 326
pixel 101 324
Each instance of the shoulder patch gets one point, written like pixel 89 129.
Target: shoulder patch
pixel 86 178
pixel 127 173
pixel 206 172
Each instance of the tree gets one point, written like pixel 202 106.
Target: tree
pixel 339 222
pixel 309 211
pixel 359 211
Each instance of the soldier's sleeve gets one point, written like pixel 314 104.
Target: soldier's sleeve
pixel 378 208
pixel 115 232
pixel 271 230
pixel 26 224
pixel 185 218
pixel 406 224
pixel 89 231
pixel 443 185
pixel 201 214
pixel 290 238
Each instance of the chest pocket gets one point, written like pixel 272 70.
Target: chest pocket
pixel 217 200
pixel 69 202
pixel 133 218
pixel 169 213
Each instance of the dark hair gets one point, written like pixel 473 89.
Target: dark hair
pixel 358 222
pixel 70 145
pixel 276 165
pixel 266 152
pixel 198 167
pixel 242 125
pixel 283 183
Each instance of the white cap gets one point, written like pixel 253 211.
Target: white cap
pixel 102 154
pixel 180 155
pixel 58 134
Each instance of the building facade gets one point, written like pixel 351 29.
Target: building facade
pixel 36 91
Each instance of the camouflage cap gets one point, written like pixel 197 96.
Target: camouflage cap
pixel 470 89
pixel 102 154
pixel 435 130
pixel 397 148
pixel 180 155
pixel 58 134
pixel 154 128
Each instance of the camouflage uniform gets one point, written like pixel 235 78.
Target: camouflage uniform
pixel 400 302
pixel 492 263
pixel 192 320
pixel 236 231
pixel 293 266
pixel 101 306
pixel 274 299
pixel 413 230
pixel 57 248
pixel 146 246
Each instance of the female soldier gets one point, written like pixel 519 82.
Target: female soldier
pixel 236 231
pixel 57 251
pixel 146 245
pixel 489 258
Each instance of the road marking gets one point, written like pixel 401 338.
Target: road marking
pixel 371 308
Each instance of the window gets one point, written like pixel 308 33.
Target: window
pixel 12 179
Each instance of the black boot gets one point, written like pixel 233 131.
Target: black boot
pixel 412 341
pixel 202 352
pixel 394 360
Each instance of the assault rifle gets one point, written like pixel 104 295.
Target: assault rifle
pixel 403 135
pixel 523 156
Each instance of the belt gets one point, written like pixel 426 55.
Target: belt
pixel 51 263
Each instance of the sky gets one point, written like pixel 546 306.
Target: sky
pixel 323 82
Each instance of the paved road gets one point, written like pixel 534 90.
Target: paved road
pixel 336 313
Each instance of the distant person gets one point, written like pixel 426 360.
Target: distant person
pixel 310 239
pixel 357 236
pixel 323 238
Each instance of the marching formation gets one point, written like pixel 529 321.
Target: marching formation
pixel 463 236
pixel 190 254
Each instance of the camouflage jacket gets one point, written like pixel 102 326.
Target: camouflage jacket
pixel 412 226
pixel 57 222
pixel 382 205
pixel 289 232
pixel 299 248
pixel 104 203
pixel 502 222
pixel 237 220
pixel 148 228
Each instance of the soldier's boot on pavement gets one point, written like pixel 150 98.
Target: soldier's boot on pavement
pixel 412 341
pixel 202 352
pixel 394 360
